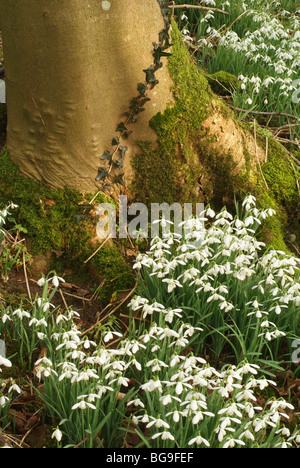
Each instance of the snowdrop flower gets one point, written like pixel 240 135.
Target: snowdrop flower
pixel 41 282
pixel 172 284
pixel 14 388
pixel 152 385
pixel 57 434
pixel 163 435
pixel 21 314
pixel 136 402
pixel 3 401
pixel 199 441
pixel 38 323
pixel 158 423
pixel 109 336
pixel 231 442
pixel 166 399
pixel 5 362
pixel 56 280
pixel 5 318
pixel 88 343
pixel 41 336
pixel 82 405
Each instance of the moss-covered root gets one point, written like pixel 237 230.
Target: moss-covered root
pixel 59 227
pixel 203 154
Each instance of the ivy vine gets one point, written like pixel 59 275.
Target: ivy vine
pixel 112 173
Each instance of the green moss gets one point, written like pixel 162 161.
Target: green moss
pixel 282 196
pixel 185 167
pixel 114 273
pixel 46 214
pixel 177 128
pixel 60 222
pixel 222 82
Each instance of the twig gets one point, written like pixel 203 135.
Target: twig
pixel 291 155
pixel 83 441
pixel 94 198
pixel 82 298
pixel 200 7
pixel 111 312
pixel 96 251
pixel 119 305
pixel 272 114
pixel 63 298
pixel 27 434
pixel 284 127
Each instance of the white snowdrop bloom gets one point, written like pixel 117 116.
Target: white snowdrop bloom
pixel 172 284
pixel 137 402
pixel 82 405
pixel 44 360
pixel 165 435
pixel 3 401
pixel 158 423
pixel 247 435
pixel 41 281
pixel 231 442
pixel 41 336
pixel 44 371
pixel 14 388
pixel 88 343
pixel 56 281
pixel 21 314
pixel 199 441
pixel 152 385
pixel 5 362
pixel 38 323
pixel 110 335
pixel 166 399
pixel 57 434
pixel 5 318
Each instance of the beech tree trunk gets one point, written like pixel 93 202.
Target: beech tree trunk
pixel 71 69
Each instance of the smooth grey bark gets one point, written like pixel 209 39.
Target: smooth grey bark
pixel 71 68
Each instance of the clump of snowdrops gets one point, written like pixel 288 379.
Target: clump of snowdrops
pixel 258 37
pixel 152 382
pixel 219 277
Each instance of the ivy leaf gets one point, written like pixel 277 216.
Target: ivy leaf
pixel 115 141
pixel 159 51
pixel 119 162
pixel 102 174
pixel 106 155
pixel 142 88
pixel 164 36
pixel 123 150
pixel 119 180
pixel 121 127
pixel 126 134
pixel 150 76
